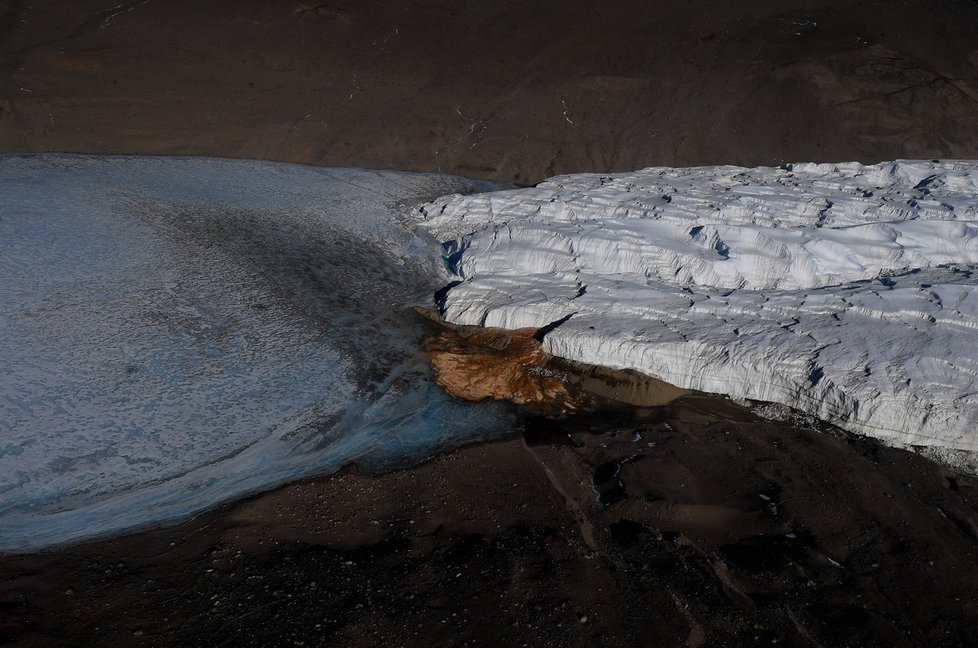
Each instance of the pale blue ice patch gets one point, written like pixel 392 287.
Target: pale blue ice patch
pixel 175 332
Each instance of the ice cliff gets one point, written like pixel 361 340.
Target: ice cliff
pixel 841 290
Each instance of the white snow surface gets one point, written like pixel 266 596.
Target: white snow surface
pixel 845 291
pixel 175 332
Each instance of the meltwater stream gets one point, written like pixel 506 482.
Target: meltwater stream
pixel 176 331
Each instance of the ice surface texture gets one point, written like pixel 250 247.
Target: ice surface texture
pixel 842 290
pixel 174 332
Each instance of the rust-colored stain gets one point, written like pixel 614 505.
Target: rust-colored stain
pixel 476 363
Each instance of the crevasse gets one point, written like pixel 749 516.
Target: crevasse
pixel 845 291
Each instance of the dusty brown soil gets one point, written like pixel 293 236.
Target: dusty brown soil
pixel 697 526
pixel 507 90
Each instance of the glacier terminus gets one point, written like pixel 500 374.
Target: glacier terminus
pixel 844 291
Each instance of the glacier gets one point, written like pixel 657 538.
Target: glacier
pixel 175 332
pixel 844 291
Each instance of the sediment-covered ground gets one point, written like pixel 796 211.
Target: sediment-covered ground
pixel 699 525
pixel 514 91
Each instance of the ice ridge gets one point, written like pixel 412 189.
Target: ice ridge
pixel 846 291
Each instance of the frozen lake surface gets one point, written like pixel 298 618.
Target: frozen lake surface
pixel 176 332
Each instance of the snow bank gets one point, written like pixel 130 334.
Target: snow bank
pixel 175 332
pixel 842 290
